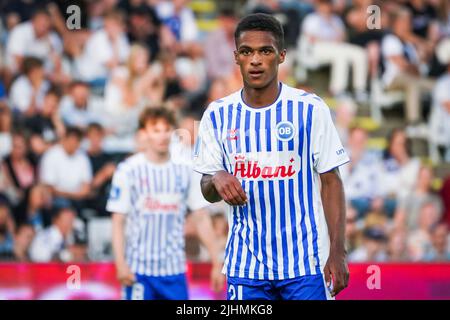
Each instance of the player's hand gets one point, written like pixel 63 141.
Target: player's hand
pixel 217 277
pixel 124 275
pixel 229 188
pixel 336 272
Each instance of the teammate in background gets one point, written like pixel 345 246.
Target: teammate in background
pixel 272 153
pixel 150 193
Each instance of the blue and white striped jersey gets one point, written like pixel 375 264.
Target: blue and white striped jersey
pixel 155 198
pixel 277 152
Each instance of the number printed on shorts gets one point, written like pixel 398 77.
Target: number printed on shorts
pixel 232 292
pixel 137 291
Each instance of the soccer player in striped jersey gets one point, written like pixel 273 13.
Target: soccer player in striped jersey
pixel 272 153
pixel 150 193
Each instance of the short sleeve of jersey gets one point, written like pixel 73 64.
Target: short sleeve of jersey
pixel 119 197
pixel 328 152
pixel 195 199
pixel 207 152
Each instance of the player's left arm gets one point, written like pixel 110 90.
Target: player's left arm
pixel 206 235
pixel 332 192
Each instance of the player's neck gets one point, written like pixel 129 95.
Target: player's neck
pixel 261 97
pixel 155 157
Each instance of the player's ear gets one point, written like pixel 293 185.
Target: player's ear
pixel 282 56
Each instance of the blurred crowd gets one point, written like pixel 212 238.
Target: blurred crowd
pixel 70 99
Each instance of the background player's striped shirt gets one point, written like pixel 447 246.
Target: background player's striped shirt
pixel 276 152
pixel 155 198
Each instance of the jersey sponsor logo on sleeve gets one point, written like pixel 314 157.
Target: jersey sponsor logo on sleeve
pixel 114 193
pixel 285 131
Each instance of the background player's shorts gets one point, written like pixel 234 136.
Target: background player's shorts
pixel 302 288
pixel 157 288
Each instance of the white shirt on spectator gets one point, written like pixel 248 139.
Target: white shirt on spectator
pixel 65 172
pixel 47 244
pixel 188 27
pixel 398 180
pixel 22 92
pixel 325 30
pixel 73 116
pixel 97 52
pixel 440 116
pixel 22 41
pixel 392 46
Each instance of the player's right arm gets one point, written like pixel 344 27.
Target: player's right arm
pixel 124 274
pixel 119 204
pixel 223 186
pixel 216 183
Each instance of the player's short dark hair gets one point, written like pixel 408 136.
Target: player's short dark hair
pixel 153 114
pixel 31 63
pixel 74 132
pixel 261 22
pixel 40 11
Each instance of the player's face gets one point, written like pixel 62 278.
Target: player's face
pixel 158 134
pixel 258 57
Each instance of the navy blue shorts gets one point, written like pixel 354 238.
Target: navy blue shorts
pixel 302 288
pixel 157 288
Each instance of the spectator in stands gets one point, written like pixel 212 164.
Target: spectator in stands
pixel 403 65
pixel 47 124
pixel 7 227
pixel 78 108
pixel 440 113
pixel 361 175
pixel 103 168
pixel 397 247
pixel 445 197
pixel 345 114
pixel 218 46
pixel 323 42
pixel 67 170
pixel 34 39
pixel 423 16
pixel 440 239
pixel 54 242
pixel 408 210
pixel 22 241
pixel 220 226
pixel 352 229
pixel 400 170
pixel 373 248
pixel 35 208
pixel 8 193
pixel 105 50
pixel 144 27
pixel 179 21
pixel 5 130
pixel 419 240
pixel 19 165
pixel 28 90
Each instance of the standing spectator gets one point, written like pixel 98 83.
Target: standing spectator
pixel 397 247
pixel 78 108
pixel 402 64
pixel 322 42
pixel 105 49
pixel 345 114
pixel 67 170
pixel 440 112
pixel 219 43
pixel 34 39
pixel 53 243
pixel 19 165
pixel 419 240
pixel 22 241
pixel 28 90
pixel 103 168
pixel 372 249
